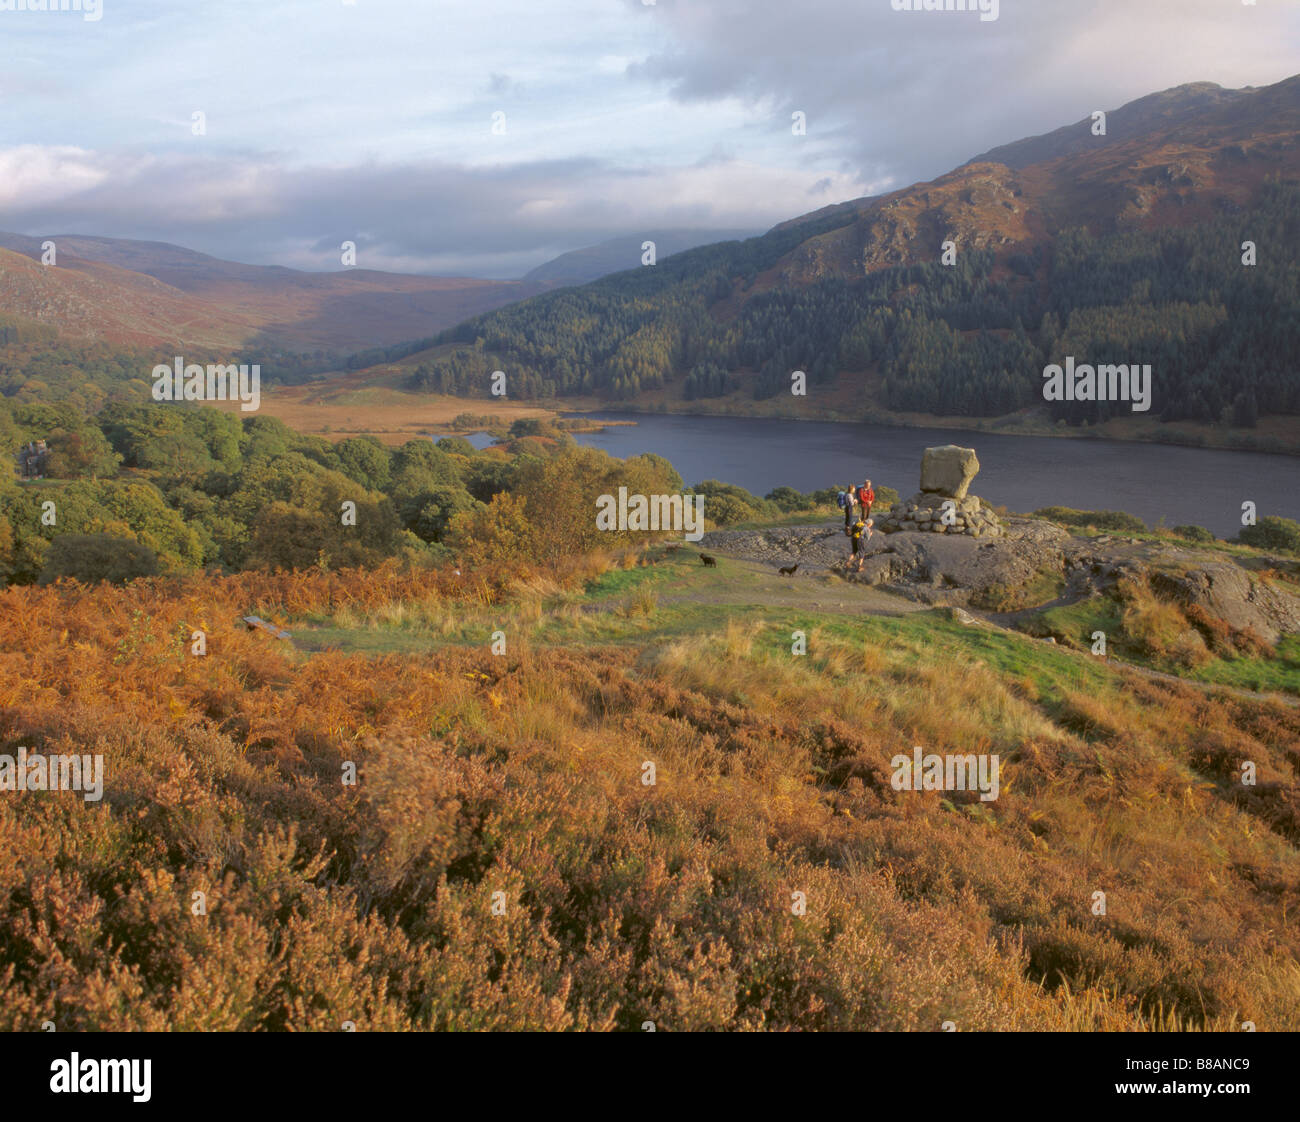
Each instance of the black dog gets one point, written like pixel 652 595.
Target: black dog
pixel 709 562
pixel 790 571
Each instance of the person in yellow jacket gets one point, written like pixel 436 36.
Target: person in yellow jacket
pixel 859 534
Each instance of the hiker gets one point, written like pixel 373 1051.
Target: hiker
pixel 846 498
pixel 866 496
pixel 859 533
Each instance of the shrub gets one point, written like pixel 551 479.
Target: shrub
pixel 885 498
pixel 1159 629
pixel 1098 519
pixel 456 445
pixel 788 500
pixel 727 510
pixel 526 426
pixel 1271 532
pixel 725 504
pixel 494 535
pixel 626 903
pixel 91 558
pixel 1193 533
pixel 826 496
pixel 428 512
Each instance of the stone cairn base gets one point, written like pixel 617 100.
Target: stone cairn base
pixel 926 512
pixel 946 475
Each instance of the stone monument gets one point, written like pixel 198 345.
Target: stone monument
pixel 943 504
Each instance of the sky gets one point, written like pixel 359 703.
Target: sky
pixel 325 121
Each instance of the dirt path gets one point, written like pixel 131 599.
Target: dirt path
pixel 825 591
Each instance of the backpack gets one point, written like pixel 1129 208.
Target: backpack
pixel 843 499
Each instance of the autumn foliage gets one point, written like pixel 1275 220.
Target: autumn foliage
pixel 501 864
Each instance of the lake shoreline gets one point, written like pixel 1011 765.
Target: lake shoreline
pixel 1201 437
pixel 1161 483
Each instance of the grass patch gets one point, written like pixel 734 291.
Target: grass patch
pixel 1280 674
pixel 818 517
pixel 619 582
pixel 1074 626
pixel 1113 520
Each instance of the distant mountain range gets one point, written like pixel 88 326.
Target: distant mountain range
pixel 145 293
pixel 613 256
pixel 835 292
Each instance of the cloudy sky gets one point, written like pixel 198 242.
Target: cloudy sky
pixel 372 121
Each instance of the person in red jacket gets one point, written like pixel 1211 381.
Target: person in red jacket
pixel 866 496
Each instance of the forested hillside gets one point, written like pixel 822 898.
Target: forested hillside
pixel 1168 240
pixel 41 364
pixel 968 339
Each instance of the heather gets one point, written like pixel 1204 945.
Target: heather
pixel 500 863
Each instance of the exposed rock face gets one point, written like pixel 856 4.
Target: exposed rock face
pixel 947 569
pixel 1235 596
pixel 813 547
pixel 953 570
pixel 948 470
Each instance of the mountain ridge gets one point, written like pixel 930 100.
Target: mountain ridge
pixel 947 298
pixel 145 292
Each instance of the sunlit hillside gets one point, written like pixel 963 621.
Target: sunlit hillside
pixel 644 808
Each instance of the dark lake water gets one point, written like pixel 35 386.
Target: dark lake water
pixel 1153 481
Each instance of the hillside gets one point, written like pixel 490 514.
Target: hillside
pixel 1127 247
pixel 88 300
pixel 579 266
pixel 150 293
pixel 1197 108
pixel 500 669
pixel 502 863
pixel 1170 159
pixel 141 293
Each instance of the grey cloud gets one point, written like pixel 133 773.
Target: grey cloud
pixel 491 221
pixel 910 95
pixel 890 98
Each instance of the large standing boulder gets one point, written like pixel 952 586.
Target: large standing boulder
pixel 948 470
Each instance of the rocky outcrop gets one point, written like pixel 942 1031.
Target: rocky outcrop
pixel 813 547
pixel 951 569
pixel 1235 596
pixel 954 569
pixel 1028 562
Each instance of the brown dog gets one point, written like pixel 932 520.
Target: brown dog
pixel 709 562
pixel 789 572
